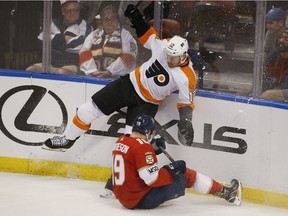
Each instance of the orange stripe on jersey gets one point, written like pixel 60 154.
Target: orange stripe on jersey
pixel 143 39
pixel 190 74
pixel 191 77
pixel 143 90
pixel 179 105
pixel 85 56
pixel 80 124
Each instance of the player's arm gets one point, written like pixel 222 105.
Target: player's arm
pixel 163 176
pixel 186 85
pixel 143 29
pixel 185 124
pixel 148 169
pixel 155 177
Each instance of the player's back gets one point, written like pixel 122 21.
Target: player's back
pixel 129 156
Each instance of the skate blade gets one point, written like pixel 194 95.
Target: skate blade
pixel 55 150
pixel 238 199
pixel 109 195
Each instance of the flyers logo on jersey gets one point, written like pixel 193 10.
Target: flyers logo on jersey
pixel 149 159
pixel 159 74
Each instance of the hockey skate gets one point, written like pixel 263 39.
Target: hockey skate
pixel 108 194
pixel 58 143
pixel 232 193
pixel 108 190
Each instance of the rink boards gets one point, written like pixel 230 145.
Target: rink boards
pixel 235 137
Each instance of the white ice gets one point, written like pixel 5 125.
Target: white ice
pixel 31 195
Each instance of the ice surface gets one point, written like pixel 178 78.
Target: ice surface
pixel 31 195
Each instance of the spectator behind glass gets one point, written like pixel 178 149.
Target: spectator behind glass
pixel 276 72
pixel 275 24
pixel 110 51
pixel 67 37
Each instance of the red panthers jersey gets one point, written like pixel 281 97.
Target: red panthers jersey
pixel 135 170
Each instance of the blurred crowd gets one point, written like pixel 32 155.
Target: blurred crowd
pixel 93 38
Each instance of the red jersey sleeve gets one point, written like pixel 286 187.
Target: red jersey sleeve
pixel 147 166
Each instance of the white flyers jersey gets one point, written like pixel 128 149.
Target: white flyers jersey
pixel 154 80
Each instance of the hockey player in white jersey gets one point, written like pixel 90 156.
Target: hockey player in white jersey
pixel 142 90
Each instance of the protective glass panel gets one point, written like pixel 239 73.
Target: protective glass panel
pixel 221 36
pixel 20 23
pixel 275 65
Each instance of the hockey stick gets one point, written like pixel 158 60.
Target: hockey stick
pixel 160 147
pixel 166 154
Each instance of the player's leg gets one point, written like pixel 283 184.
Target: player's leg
pixel 81 122
pixel 108 190
pixel 158 195
pixel 141 107
pixel 232 193
pixel 105 101
pixel 205 185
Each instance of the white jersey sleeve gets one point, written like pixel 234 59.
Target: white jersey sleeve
pixel 149 174
pixel 186 85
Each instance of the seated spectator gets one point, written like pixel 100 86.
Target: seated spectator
pixel 67 37
pixel 275 79
pixel 275 24
pixel 110 51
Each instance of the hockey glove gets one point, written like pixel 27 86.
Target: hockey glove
pixel 137 20
pixel 176 167
pixel 185 125
pixel 134 15
pixel 157 143
pixel 186 129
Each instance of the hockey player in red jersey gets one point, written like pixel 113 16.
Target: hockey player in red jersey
pixel 138 181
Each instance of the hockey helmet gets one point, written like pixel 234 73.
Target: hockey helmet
pixel 176 49
pixel 143 124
